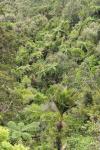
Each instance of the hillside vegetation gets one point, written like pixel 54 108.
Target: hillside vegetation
pixel 49 74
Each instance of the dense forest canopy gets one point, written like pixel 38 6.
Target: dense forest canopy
pixel 49 74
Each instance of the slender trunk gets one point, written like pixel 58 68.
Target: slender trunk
pixel 59 135
pixel 58 143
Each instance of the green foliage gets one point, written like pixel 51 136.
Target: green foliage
pixel 18 132
pixel 4 144
pixel 49 74
pixel 82 142
pixel 4 134
pixel 19 147
pixel 62 97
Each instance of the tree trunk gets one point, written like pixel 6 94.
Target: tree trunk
pixel 59 135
